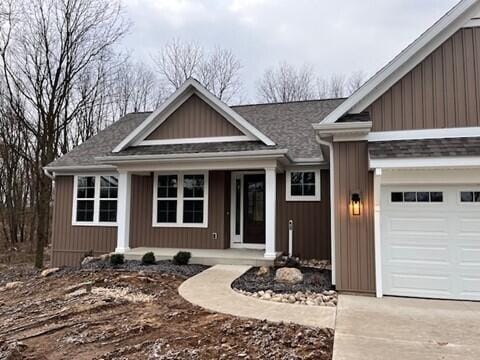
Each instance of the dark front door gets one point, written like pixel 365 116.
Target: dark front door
pixel 254 209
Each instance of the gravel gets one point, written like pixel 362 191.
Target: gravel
pixel 314 280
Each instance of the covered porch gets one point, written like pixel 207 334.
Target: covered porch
pixel 252 257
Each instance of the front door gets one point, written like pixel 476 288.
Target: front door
pixel 254 208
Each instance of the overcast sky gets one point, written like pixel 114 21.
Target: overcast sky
pixel 332 36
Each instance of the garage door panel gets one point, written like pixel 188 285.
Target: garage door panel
pixel 430 250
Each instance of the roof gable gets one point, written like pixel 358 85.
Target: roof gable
pixel 194 119
pixel 190 88
pixel 461 15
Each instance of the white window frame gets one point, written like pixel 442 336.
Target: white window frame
pixel 96 202
pixel 288 185
pixel 180 199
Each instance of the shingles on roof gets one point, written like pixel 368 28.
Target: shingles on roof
pixel 424 148
pixel 289 125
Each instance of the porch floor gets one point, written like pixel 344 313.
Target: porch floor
pixel 207 256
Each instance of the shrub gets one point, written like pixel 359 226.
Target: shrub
pixel 291 262
pixel 89 253
pixel 148 258
pixel 182 258
pixel 117 259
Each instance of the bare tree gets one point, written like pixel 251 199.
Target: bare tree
pixel 355 81
pixel 286 83
pixel 338 85
pixel 47 46
pixel 218 70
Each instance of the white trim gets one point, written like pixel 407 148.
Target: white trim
pixel 377 200
pixel 475 22
pixel 270 212
pixel 406 60
pixel 439 176
pixel 424 134
pixel 231 155
pixel 432 162
pixel 96 202
pixel 123 211
pixel 332 206
pixel 288 184
pixel 178 98
pixel 198 140
pixel 180 200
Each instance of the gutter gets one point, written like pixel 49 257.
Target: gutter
pixel 332 203
pixel 50 175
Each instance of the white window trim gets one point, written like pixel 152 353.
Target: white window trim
pixel 288 186
pixel 180 198
pixel 96 203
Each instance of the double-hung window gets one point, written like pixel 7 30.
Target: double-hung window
pixel 303 184
pixel 95 200
pixel 181 200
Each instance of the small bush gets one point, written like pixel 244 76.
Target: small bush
pixel 88 254
pixel 117 259
pixel 182 258
pixel 148 258
pixel 291 262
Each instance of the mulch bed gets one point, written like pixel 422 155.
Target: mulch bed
pixel 314 280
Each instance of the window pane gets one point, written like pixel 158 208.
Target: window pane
pixel 423 197
pixel 86 187
pixel 436 196
pixel 238 199
pixel 85 210
pixel 466 196
pixel 108 211
pixel 193 211
pixel 410 196
pixel 167 211
pixel 193 186
pixel 296 190
pixel 397 197
pixel 167 186
pixel 477 196
pixel 296 178
pixel 108 187
pixel 309 178
pixel 309 190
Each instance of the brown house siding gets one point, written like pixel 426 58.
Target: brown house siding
pixel 355 258
pixel 143 234
pixel 311 222
pixel 441 92
pixel 194 119
pixel 70 243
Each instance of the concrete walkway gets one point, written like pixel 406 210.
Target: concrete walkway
pixel 211 290
pixel 400 328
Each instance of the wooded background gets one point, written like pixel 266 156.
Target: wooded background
pixel 64 77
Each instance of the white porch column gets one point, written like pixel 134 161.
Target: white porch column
pixel 270 211
pixel 377 181
pixel 123 211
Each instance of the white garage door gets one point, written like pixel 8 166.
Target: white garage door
pixel 431 241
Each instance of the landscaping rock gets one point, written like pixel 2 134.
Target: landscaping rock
pixel 13 285
pixel 289 275
pixel 263 271
pixel 48 272
pixel 89 259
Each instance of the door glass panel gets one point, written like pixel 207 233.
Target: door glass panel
pixel 238 205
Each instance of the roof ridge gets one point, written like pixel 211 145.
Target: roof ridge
pixel 289 102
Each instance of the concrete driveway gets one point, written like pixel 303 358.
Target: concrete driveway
pixel 399 328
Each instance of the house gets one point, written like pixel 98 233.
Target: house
pixel 385 183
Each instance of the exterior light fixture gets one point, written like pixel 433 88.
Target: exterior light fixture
pixel 355 205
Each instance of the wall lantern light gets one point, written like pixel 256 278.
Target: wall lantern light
pixel 355 204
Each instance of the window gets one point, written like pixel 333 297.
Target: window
pixel 470 196
pixel 95 200
pixel 303 185
pixel 181 200
pixel 417 197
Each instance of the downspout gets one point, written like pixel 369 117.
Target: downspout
pixel 49 174
pixel 332 205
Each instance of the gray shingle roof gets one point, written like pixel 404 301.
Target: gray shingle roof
pixel 287 124
pixel 424 148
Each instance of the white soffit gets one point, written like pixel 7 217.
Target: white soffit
pixel 455 19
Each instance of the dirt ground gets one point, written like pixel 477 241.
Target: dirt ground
pixel 118 314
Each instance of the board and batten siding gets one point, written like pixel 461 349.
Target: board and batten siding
pixel 443 91
pixel 354 235
pixel 311 236
pixel 70 243
pixel 194 119
pixel 142 233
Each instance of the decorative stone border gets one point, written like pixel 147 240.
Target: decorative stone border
pixel 327 298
